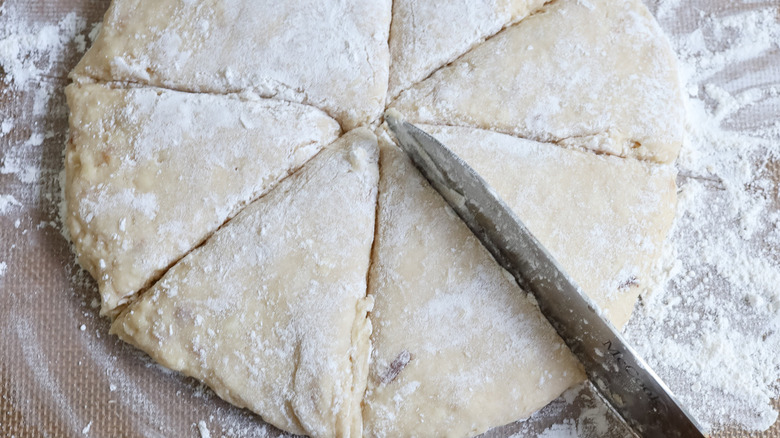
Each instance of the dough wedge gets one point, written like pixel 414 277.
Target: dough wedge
pixel 427 34
pixel 150 173
pixel 595 74
pixel 271 311
pixel 458 347
pixel 220 46
pixel 604 218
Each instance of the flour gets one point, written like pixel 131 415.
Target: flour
pixel 579 412
pixel 203 429
pixel 713 331
pixel 571 90
pixel 29 52
pixel 198 48
pixel 7 202
pixel 454 28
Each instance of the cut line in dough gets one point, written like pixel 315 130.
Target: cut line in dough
pixel 150 173
pixel 271 311
pixel 223 46
pixel 457 346
pixel 427 34
pixel 604 218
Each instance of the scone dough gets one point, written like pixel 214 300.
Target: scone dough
pixel 187 113
pixel 604 218
pixel 151 173
pixel 334 57
pixel 597 74
pixel 427 34
pixel 458 347
pixel 271 311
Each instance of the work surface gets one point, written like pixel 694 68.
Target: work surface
pixel 61 374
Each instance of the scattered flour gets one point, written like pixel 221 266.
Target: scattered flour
pixel 29 51
pixel 31 55
pixel 566 429
pixel 203 429
pixel 7 202
pixel 713 331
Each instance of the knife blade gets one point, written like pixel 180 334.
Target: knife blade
pixel 622 378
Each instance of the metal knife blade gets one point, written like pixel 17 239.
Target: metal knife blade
pixel 624 380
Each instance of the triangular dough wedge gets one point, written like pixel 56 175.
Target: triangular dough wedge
pixel 604 218
pixel 458 347
pixel 598 74
pixel 150 173
pixel 330 54
pixel 427 34
pixel 271 311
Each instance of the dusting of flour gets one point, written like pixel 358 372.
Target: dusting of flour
pixel 30 53
pixel 713 331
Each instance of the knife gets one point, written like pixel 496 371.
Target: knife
pixel 622 378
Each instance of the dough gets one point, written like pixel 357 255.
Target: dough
pixel 597 74
pixel 604 218
pixel 330 54
pixel 151 173
pixel 184 112
pixel 458 347
pixel 427 34
pixel 271 311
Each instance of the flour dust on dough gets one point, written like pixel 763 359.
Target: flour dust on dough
pixel 427 34
pixel 604 218
pixel 457 346
pixel 271 311
pixel 329 54
pixel 151 173
pixel 597 74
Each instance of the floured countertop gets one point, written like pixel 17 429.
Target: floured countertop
pixel 712 331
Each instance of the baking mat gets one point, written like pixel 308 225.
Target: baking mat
pixel 61 375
